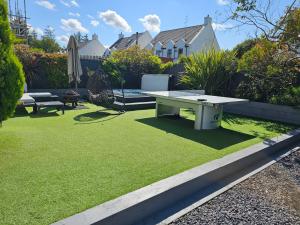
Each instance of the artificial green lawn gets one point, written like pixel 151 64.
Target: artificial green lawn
pixel 53 166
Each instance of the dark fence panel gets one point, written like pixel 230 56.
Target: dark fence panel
pixel 88 67
pixel 176 71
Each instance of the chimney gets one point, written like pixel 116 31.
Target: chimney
pixel 95 37
pixel 207 20
pixel 137 38
pixel 121 35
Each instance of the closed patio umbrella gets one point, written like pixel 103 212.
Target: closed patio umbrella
pixel 74 66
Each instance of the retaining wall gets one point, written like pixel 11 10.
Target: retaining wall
pixel 281 113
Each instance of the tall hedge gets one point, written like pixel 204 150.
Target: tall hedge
pixel 43 70
pixel 11 73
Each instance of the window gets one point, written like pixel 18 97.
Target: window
pixel 169 53
pixel 158 52
pixel 180 51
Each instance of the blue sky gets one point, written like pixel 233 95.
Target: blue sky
pixel 108 18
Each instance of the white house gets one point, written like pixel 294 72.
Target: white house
pixel 141 39
pixel 91 49
pixel 184 41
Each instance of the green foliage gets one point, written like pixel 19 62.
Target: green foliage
pixel 290 97
pixel 45 70
pixel 48 45
pixel 131 64
pixel 210 71
pixel 244 47
pixel 166 66
pixel 11 73
pixel 291 26
pixel 267 73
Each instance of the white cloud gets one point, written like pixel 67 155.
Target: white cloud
pixel 69 3
pixel 90 17
pixel 39 31
pixel 63 38
pixel 74 14
pixel 223 2
pixel 50 28
pixel 151 22
pixel 221 27
pixel 46 4
pixel 65 3
pixel 72 25
pixel 74 3
pixel 94 23
pixel 113 19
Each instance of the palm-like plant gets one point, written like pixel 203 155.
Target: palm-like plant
pixel 209 70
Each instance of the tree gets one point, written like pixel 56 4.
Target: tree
pixel 47 43
pixel 211 71
pixel 260 15
pixel 244 47
pixel 130 64
pixel 49 33
pixel 266 72
pixel 11 73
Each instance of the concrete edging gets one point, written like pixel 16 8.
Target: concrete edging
pixel 156 202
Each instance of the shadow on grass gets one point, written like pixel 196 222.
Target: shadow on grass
pixel 44 112
pixel 20 112
pixel 217 139
pixel 96 117
pixel 268 125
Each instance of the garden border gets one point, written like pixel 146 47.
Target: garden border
pixel 158 202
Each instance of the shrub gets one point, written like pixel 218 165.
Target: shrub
pixel 290 97
pixel 131 64
pixel 267 72
pixel 244 47
pixel 11 73
pixel 166 67
pixel 209 70
pixel 43 70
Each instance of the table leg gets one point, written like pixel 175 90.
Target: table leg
pixel 199 113
pixel 35 109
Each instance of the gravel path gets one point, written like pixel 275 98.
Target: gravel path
pixel 269 197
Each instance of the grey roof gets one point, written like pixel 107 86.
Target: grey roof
pixel 186 33
pixel 125 42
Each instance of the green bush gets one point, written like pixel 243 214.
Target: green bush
pixel 11 73
pixel 244 47
pixel 166 66
pixel 43 70
pixel 290 97
pixel 211 71
pixel 268 72
pixel 130 64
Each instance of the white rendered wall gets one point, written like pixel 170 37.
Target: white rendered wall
pixel 145 40
pixel 93 48
pixel 205 40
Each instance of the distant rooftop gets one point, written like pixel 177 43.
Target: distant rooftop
pixel 125 42
pixel 186 33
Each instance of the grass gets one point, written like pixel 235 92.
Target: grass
pixel 54 166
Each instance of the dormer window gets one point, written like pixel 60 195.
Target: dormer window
pixel 169 53
pixel 180 51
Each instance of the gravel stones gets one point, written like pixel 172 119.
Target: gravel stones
pixel 269 197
